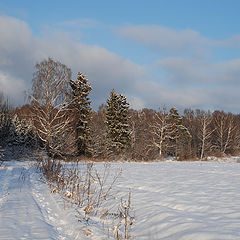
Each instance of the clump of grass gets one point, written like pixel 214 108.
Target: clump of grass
pixel 122 219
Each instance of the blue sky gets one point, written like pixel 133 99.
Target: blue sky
pixel 181 53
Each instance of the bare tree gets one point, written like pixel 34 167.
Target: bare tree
pixel 49 98
pixel 205 132
pixel 231 127
pixel 161 131
pixel 236 142
pixel 190 120
pixel 225 131
pixel 98 132
pixel 141 137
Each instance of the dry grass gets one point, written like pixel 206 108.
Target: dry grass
pixel 90 191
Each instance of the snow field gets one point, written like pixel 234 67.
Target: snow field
pixel 171 201
pixel 184 200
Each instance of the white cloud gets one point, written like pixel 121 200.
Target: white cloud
pixel 191 81
pixel 199 83
pixel 229 71
pixel 172 41
pixel 13 30
pixel 12 87
pixel 186 70
pixel 161 38
pixel 195 71
pixel 136 103
pixel 157 95
pixel 233 41
pixel 20 50
pixel 216 98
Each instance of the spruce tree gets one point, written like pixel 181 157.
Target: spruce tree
pixel 22 132
pixel 5 123
pixel 81 103
pixel 179 133
pixel 118 130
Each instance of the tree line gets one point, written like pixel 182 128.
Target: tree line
pixel 60 120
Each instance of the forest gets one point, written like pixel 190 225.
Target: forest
pixel 59 120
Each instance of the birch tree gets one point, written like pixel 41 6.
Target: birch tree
pixel 205 132
pixel 225 128
pixel 161 132
pixel 49 100
pixel 141 136
pixel 98 132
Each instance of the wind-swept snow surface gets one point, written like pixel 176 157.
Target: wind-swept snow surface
pixel 172 201
pixel 185 200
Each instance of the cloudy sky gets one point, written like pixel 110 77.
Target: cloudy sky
pixel 180 53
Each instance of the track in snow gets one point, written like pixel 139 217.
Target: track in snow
pixel 27 209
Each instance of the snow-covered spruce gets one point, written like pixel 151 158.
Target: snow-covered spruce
pixel 180 135
pixel 118 130
pixel 81 105
pixel 22 132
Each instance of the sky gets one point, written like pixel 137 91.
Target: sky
pixel 173 53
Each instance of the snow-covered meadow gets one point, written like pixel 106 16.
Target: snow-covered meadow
pixel 171 200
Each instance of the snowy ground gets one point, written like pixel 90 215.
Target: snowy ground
pixel 27 208
pixel 171 200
